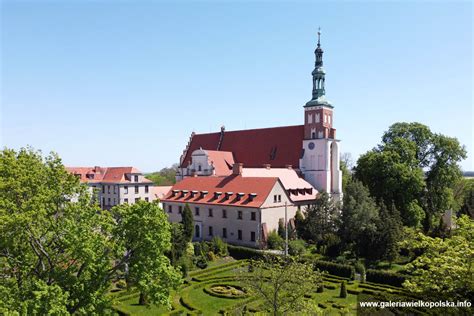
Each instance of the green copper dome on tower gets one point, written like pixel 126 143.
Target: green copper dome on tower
pixel 319 75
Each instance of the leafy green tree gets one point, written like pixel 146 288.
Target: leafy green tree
pixel 394 171
pixel 299 224
pixel 390 233
pixel 166 176
pixel 179 244
pixel 60 252
pixel 281 284
pixel 144 250
pixel 321 220
pixel 188 223
pixel 359 220
pixel 445 268
pixel 281 228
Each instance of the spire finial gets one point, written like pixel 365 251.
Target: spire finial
pixel 319 36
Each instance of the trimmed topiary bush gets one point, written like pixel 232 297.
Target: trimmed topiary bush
pixel 274 241
pixel 296 247
pixel 343 292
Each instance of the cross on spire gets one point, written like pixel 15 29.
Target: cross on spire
pixel 319 36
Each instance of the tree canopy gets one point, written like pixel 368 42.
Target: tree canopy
pixel 60 252
pixel 414 168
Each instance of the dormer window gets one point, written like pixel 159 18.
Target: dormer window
pixel 228 195
pixel 174 192
pixel 193 193
pixel 204 193
pixel 252 196
pixel 217 195
pixel 240 195
pixel 184 192
pixel 136 178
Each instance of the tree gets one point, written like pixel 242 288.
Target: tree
pixel 360 216
pixel 390 233
pixel 281 284
pixel 321 220
pixel 166 176
pixel 343 291
pixel 346 168
pixel 188 223
pixel 274 241
pixel 445 268
pixel 299 224
pixel 144 250
pixel 60 252
pixel 413 165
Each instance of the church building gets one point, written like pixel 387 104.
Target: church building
pixel 263 174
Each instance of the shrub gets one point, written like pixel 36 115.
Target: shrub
pixel 320 289
pixel 219 247
pixel 121 284
pixel 342 270
pixel 384 277
pixel 201 262
pixel 360 268
pixel 343 292
pixel 211 256
pixel 330 286
pixel 274 241
pixel 296 247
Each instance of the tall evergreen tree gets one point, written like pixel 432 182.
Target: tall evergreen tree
pixel 188 223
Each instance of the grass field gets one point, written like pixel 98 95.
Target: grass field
pixel 192 298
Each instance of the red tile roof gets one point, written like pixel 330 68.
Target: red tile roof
pixel 222 162
pixel 278 146
pixel 235 184
pixel 105 174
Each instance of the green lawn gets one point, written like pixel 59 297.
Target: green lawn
pixel 192 299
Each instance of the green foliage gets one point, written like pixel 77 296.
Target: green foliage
pixel 281 228
pixel 360 217
pixel 238 252
pixel 179 243
pixel 282 284
pixel 342 270
pixel 274 241
pixel 188 223
pixel 60 252
pixel 360 268
pixel 445 266
pixel 219 247
pixel 394 172
pixel 343 292
pixel 143 234
pixel 384 277
pixel 320 220
pixel 300 224
pixel 166 176
pixel 296 247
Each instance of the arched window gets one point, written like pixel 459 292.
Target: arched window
pixel 197 232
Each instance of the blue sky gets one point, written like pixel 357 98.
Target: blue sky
pixel 125 83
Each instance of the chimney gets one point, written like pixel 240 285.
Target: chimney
pixel 267 165
pixel 289 167
pixel 237 168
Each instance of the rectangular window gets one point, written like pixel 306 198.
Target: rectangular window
pixel 239 234
pixel 253 216
pixel 103 189
pixel 210 231
pixel 210 213
pixel 108 201
pixel 170 209
pixel 103 202
pixel 108 189
pixel 136 189
pixel 125 200
pixel 224 232
pixel 136 178
pixel 196 211
pixel 115 189
pixel 239 214
pixel 224 213
pixel 180 209
pixel 146 189
pixel 137 199
pixel 146 199
pixel 279 198
pixel 275 199
pixel 125 189
pixel 252 236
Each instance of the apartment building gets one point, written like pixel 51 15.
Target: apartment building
pixel 116 185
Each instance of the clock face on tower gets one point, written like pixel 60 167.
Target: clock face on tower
pixel 311 145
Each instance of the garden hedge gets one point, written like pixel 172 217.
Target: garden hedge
pixel 342 270
pixel 384 277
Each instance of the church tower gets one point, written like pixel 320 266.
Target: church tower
pixel 320 156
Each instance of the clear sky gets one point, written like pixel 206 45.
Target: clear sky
pixel 126 82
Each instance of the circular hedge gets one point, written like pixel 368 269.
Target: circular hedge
pixel 225 291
